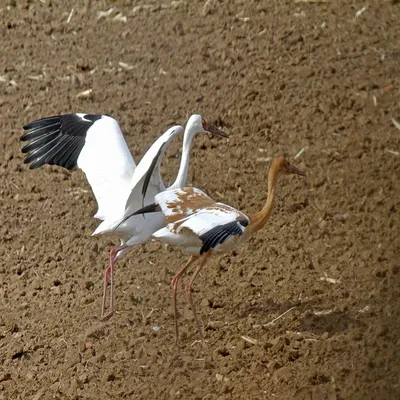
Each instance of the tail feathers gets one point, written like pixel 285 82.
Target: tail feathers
pixel 106 227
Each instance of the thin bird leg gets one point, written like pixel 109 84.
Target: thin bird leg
pixel 189 285
pixel 109 276
pixel 174 284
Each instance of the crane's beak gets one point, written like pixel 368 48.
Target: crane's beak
pixel 213 129
pixel 294 170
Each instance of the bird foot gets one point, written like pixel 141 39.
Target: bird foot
pixel 107 315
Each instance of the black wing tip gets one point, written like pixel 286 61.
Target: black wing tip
pixel 93 117
pixel 39 123
pixel 218 238
pixel 42 122
pixel 220 234
pixel 34 165
pixel 57 140
pixel 150 208
pixel 150 171
pixel 244 222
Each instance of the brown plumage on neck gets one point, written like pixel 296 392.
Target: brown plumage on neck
pixel 279 166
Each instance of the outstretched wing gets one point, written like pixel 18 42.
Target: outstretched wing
pixel 146 183
pixel 57 140
pixel 91 142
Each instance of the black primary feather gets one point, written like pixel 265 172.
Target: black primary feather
pixel 57 140
pixel 151 208
pixel 150 172
pixel 221 233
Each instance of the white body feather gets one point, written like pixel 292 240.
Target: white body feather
pixel 138 229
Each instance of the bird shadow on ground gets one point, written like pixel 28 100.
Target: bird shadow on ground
pixel 334 322
pixel 304 316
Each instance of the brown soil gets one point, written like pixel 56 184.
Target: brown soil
pixel 279 76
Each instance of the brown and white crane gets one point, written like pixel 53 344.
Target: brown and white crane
pixel 203 227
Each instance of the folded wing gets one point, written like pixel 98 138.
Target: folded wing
pixel 191 209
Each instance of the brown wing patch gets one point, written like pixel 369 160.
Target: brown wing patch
pixel 174 229
pixel 188 201
pixel 175 225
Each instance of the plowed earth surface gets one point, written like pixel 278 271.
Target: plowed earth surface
pixel 316 79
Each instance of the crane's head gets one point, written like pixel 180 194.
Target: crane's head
pixel 283 166
pixel 197 124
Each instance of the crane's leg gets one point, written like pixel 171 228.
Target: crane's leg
pixel 189 285
pixel 174 285
pixel 109 276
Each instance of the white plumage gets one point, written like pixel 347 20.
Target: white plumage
pixel 95 144
pixel 137 230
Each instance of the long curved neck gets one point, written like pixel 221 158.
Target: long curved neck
pixel 258 220
pixel 181 179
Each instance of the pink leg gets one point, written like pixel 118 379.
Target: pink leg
pixel 109 276
pixel 174 285
pixel 189 285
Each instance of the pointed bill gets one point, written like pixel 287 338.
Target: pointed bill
pixel 213 129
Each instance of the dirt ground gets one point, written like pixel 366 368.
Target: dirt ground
pixel 316 81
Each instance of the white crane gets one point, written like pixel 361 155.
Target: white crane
pixel 95 144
